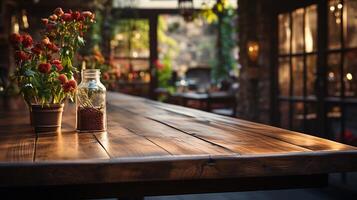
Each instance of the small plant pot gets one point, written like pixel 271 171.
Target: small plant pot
pixel 47 118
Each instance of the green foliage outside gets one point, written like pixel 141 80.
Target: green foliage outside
pixel 222 15
pixel 135 33
pixel 165 74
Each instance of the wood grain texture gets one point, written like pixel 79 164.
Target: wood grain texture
pixel 17 148
pixel 68 146
pixel 173 113
pixel 172 140
pixel 152 141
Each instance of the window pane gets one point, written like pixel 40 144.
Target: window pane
pixel 298 117
pixel 311 28
pixel 334 24
pixel 284 76
pixel 298 31
pixel 284 34
pixel 131 38
pixel 333 74
pixel 310 74
pixel 350 23
pixel 298 78
pixel 350 74
pixel 284 114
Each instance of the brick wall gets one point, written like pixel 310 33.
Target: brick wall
pixel 256 23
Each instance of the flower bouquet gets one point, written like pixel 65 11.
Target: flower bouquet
pixel 44 71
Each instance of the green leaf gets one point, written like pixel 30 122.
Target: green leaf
pixel 29 73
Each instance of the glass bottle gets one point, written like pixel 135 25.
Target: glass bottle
pixel 91 102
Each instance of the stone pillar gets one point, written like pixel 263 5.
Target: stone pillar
pixel 255 21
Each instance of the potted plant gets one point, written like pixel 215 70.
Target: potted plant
pixel 44 71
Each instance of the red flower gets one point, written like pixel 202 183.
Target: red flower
pixel 55 62
pixel 44 21
pixel 15 38
pixel 27 40
pixel 81 18
pixel 59 67
pixel 72 83
pixel 52 47
pixel 45 41
pixel 36 50
pixel 62 78
pixel 58 11
pixel 67 17
pixel 88 14
pixel 106 76
pixel 58 64
pixel 21 56
pixel 53 17
pixel 44 68
pixel 70 86
pixel 76 15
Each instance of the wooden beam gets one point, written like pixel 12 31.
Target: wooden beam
pixel 154 55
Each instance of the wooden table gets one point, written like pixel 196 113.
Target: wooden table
pixel 153 148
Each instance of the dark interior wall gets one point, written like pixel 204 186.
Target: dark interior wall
pixel 257 23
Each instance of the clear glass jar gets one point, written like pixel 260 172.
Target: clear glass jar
pixel 91 102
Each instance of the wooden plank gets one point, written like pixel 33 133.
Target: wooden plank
pixel 173 141
pixel 17 148
pixel 68 147
pixel 299 139
pixel 17 140
pixel 120 143
pixel 176 168
pixel 150 108
pixel 240 142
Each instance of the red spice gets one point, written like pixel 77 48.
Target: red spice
pixel 90 119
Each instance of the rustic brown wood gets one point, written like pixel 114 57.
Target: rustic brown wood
pixel 173 141
pixel 148 142
pixel 120 142
pixel 68 146
pixel 17 148
pixel 174 114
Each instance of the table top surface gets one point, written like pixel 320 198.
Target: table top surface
pixel 148 140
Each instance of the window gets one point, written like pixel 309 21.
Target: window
pixel 303 103
pixel 342 49
pixel 341 71
pixel 130 44
pixel 297 64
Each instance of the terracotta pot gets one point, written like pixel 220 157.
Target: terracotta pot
pixel 47 118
